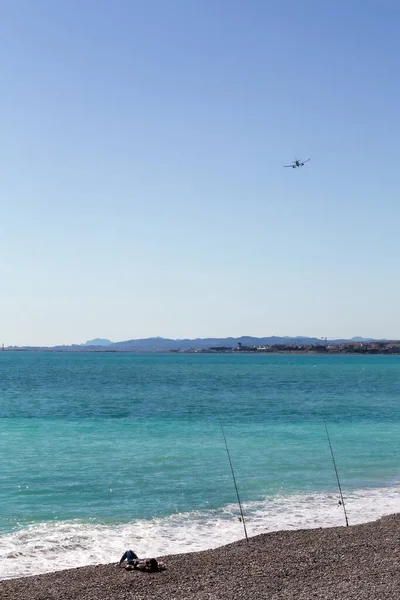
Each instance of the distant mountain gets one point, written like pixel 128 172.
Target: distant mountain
pixel 97 342
pixel 159 344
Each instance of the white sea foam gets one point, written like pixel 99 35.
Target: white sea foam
pixel 54 546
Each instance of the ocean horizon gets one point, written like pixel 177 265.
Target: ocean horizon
pixel 105 451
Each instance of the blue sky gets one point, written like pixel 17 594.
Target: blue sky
pixel 142 188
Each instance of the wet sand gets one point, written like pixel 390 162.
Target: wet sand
pixel 356 562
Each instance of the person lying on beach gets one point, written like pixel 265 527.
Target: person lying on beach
pixel 130 556
pixel 150 565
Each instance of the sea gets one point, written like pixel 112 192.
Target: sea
pixel 101 452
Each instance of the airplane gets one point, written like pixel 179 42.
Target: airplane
pixel 297 163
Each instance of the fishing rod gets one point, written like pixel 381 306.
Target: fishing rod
pixel 234 481
pixel 337 476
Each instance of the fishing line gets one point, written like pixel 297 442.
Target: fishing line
pixel 234 481
pixel 337 475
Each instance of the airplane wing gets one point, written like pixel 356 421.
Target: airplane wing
pixel 304 161
pixel 288 166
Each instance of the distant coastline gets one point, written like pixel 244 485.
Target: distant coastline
pixel 322 347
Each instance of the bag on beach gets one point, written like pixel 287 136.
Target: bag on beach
pixel 149 565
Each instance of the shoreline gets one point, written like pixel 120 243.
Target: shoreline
pixel 355 562
pixel 208 352
pixel 321 351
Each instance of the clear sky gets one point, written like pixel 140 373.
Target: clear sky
pixel 141 154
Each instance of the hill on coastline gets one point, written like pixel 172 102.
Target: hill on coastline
pixel 98 342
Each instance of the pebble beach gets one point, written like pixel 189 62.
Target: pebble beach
pixel 356 562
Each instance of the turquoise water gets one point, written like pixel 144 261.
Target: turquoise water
pixel 102 451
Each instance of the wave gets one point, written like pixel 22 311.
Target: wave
pixel 54 546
